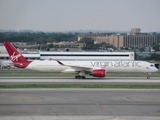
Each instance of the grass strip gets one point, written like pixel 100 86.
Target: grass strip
pixel 72 75
pixel 80 86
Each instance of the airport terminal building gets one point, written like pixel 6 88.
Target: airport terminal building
pixel 71 56
pixel 87 56
pixel 78 56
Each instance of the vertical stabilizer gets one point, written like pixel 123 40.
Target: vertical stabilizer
pixel 14 55
pixel 17 58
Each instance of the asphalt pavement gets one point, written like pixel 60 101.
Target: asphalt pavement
pixel 81 104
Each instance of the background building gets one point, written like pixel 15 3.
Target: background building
pixel 135 31
pixel 139 41
pixel 135 39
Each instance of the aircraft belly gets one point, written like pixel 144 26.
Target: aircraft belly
pixel 123 69
pixel 46 68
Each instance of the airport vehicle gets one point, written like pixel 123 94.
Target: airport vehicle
pixel 5 64
pixel 94 68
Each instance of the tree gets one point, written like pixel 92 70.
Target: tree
pixel 156 47
pixel 142 49
pixel 153 56
pixel 87 41
pixel 50 45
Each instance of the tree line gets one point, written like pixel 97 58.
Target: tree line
pixel 37 37
pixel 42 38
pixel 151 57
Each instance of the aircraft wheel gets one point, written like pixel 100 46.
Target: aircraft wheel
pixel 80 77
pixel 148 77
pixel 83 77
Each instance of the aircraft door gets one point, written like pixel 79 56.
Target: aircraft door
pixel 145 67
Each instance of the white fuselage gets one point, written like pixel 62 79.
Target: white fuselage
pixel 109 66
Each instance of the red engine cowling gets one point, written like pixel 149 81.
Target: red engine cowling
pixel 99 73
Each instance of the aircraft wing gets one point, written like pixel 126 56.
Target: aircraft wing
pixel 96 72
pixel 78 68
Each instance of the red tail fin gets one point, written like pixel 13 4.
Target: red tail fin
pixel 15 56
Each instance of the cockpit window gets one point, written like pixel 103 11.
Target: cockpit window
pixel 152 65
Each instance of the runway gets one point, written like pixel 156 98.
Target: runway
pixel 90 80
pixel 81 104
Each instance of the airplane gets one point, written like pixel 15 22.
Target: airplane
pixel 93 68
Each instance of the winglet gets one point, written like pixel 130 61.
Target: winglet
pixel 60 62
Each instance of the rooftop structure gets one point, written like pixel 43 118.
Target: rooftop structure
pixel 135 31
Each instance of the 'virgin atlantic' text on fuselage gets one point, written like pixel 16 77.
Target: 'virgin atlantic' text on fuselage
pixel 104 64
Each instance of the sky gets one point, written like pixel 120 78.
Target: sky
pixel 65 15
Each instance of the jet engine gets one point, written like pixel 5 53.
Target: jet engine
pixel 99 73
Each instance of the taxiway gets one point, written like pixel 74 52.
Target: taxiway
pixel 81 104
pixel 90 80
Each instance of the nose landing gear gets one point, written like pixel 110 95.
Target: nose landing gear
pixel 149 74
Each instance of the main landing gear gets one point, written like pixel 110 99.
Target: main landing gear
pixel 80 77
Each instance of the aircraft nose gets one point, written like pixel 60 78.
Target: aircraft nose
pixel 157 66
pixel 156 69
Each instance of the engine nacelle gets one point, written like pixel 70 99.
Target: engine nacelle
pixel 99 73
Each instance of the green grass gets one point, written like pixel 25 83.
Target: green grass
pixel 80 86
pixel 30 73
pixel 22 74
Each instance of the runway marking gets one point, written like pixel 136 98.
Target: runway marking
pixel 100 106
pixel 27 98
pixel 149 98
pixel 4 98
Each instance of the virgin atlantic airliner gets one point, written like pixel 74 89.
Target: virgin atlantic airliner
pixel 93 68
